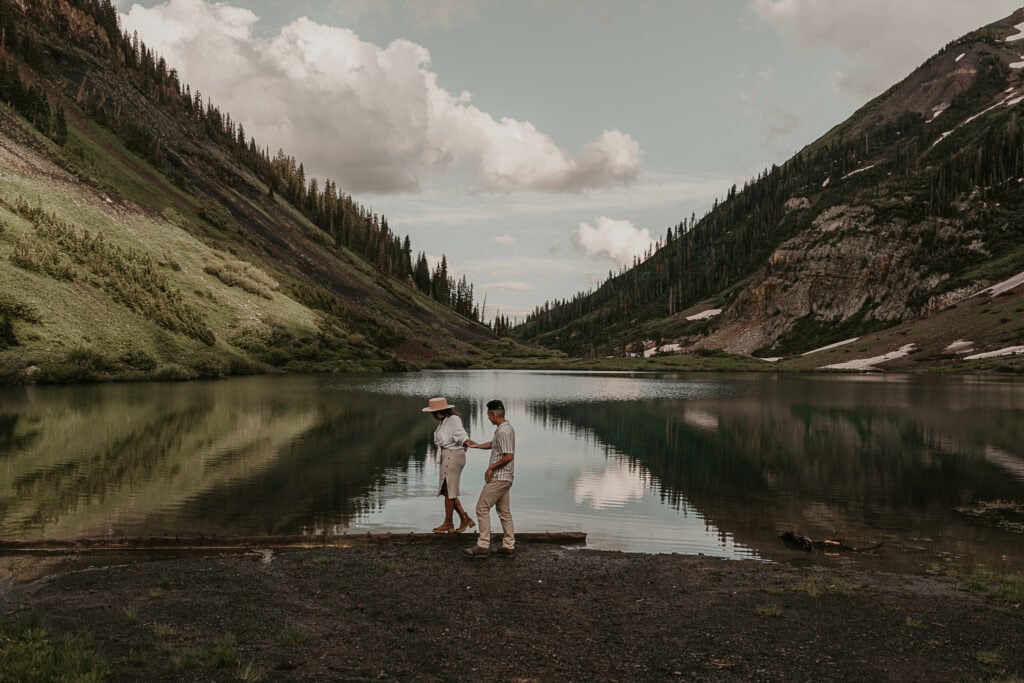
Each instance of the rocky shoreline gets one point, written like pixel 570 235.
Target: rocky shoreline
pixel 422 612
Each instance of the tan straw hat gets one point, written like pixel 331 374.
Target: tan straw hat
pixel 436 404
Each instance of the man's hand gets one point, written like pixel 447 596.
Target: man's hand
pixel 470 443
pixel 488 474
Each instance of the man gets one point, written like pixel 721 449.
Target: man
pixel 497 482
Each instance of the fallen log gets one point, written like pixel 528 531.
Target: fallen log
pixel 10 546
pixel 802 542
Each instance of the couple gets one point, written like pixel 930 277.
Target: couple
pixel 452 440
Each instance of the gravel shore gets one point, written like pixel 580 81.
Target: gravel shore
pixel 415 612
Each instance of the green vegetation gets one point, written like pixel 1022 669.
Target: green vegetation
pixel 711 361
pixel 946 215
pixel 295 635
pixel 29 652
pixel 1005 587
pixel 768 610
pixel 990 661
pixel 132 279
pixel 119 262
pixel 250 672
pixel 235 273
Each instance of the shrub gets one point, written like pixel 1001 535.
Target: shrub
pixel 210 366
pixel 132 279
pixel 78 365
pixel 7 336
pixel 243 275
pixel 139 360
pixel 240 365
pixel 172 372
pixel 12 370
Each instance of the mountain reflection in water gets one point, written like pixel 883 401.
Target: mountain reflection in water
pixel 717 464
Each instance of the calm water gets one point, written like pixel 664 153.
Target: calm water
pixel 716 464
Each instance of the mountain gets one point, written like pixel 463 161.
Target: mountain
pixel 143 234
pixel 886 231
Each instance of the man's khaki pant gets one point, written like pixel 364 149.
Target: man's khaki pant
pixel 495 494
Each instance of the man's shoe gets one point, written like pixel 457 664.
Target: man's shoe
pixel 504 552
pixel 477 552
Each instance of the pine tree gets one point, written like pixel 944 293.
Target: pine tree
pixel 60 126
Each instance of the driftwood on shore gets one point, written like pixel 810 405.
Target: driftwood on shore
pixel 802 542
pixel 243 542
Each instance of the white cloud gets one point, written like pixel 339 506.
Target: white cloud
pixel 505 241
pixel 883 40
pixel 507 286
pixel 374 118
pixel 618 240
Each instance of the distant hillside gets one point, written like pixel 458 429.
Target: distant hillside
pixel 143 234
pixel 896 217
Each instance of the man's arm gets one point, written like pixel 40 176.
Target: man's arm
pixel 473 444
pixel 500 462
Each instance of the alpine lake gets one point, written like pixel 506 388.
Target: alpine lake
pixel 925 470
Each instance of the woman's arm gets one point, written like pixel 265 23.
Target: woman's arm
pixel 458 432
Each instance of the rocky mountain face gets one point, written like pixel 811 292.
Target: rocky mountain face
pixel 901 212
pixel 138 239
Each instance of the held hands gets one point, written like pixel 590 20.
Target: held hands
pixel 471 444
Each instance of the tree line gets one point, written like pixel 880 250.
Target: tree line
pixel 901 165
pixel 325 204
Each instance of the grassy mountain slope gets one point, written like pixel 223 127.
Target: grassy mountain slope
pixel 175 263
pixel 909 207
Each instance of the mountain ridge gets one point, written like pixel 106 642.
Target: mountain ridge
pixel 130 206
pixel 889 217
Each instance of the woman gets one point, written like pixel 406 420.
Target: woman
pixel 450 437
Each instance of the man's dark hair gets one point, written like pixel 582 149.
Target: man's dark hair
pixel 496 405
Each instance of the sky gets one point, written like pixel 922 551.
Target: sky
pixel 540 144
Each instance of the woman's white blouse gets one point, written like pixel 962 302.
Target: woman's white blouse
pixel 450 433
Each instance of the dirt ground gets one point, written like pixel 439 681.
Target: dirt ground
pixel 415 612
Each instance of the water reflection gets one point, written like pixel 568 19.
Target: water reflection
pixel 715 464
pixel 246 456
pixel 867 461
pixel 619 483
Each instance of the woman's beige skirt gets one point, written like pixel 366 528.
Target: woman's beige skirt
pixel 452 462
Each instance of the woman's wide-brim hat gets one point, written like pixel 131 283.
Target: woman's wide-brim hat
pixel 436 404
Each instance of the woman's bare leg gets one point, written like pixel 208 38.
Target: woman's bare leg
pixel 464 519
pixel 449 509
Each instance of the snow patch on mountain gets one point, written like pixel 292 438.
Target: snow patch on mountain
pixel 960 346
pixel 1004 286
pixel 870 363
pixel 1018 35
pixel 831 346
pixel 1008 351
pixel 859 170
pixel 704 315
